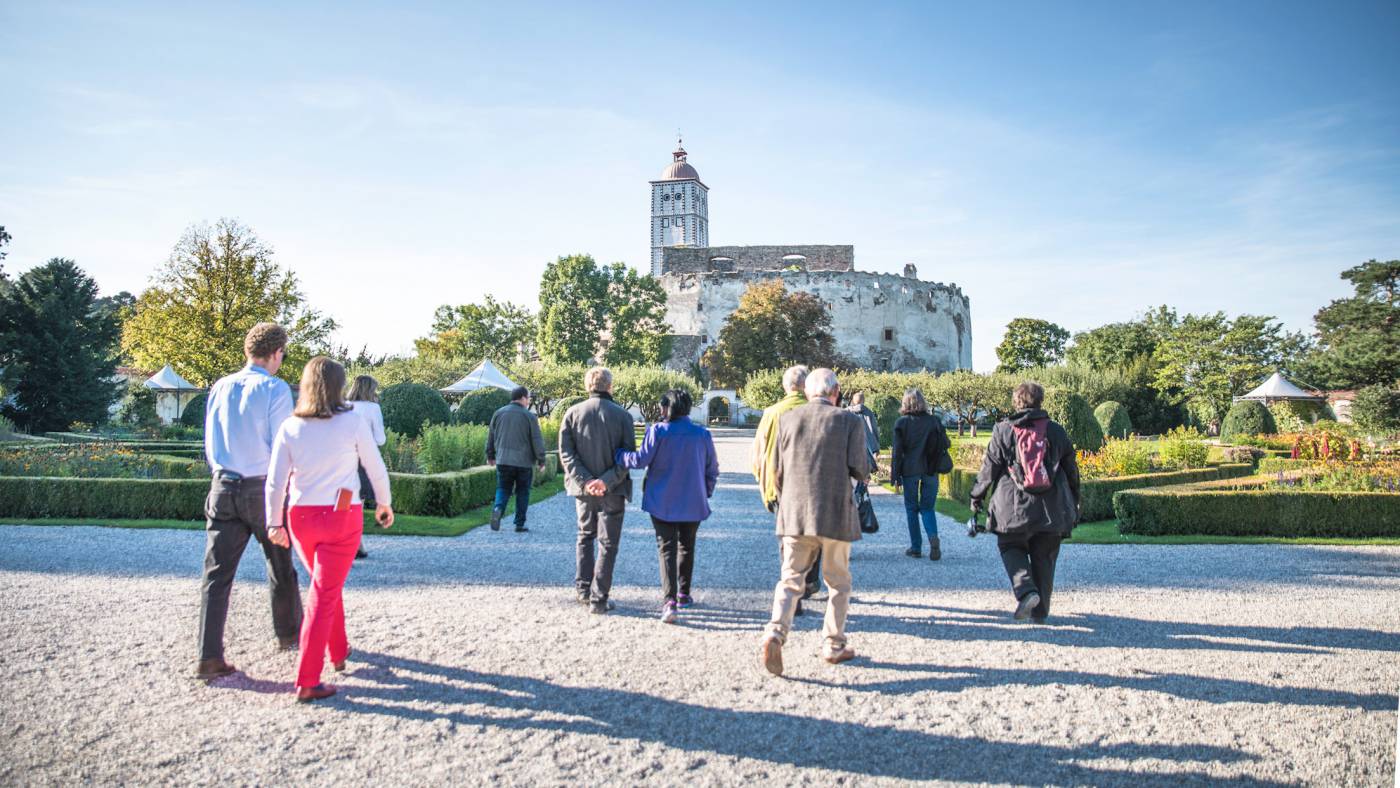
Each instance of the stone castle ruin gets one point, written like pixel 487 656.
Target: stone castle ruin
pixel 885 322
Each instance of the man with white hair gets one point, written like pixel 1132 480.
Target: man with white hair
pixel 589 437
pixel 820 450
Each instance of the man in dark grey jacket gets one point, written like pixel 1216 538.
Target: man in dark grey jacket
pixel 515 446
pixel 821 451
pixel 1029 525
pixel 589 437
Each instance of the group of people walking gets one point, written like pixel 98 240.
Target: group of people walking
pixel 299 477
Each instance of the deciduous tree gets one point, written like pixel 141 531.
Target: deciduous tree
pixel 772 328
pixel 218 283
pixel 1206 360
pixel 1031 343
pixel 492 329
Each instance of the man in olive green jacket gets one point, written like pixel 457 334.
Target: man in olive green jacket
pixel 765 441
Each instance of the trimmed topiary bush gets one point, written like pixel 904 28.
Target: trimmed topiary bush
pixel 478 406
pixel 193 414
pixel 886 414
pixel 1113 419
pixel 1247 418
pixel 408 406
pixel 1074 414
pixel 1210 511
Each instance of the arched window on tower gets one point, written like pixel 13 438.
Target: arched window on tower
pixel 794 262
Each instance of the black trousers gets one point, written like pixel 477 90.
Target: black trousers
pixel 599 530
pixel 675 546
pixel 1030 565
pixel 234 512
pixel 514 480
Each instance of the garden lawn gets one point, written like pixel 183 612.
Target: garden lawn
pixel 404 524
pixel 1106 532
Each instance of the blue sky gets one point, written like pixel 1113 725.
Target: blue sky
pixel 1078 162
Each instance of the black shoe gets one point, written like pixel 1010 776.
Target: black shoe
pixel 798 611
pixel 521 529
pixel 1038 620
pixel 361 553
pixel 584 598
pixel 600 606
pixel 496 515
pixel 935 550
pixel 288 644
pixel 912 553
pixel 1024 607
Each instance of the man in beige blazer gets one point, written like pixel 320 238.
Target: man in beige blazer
pixel 821 452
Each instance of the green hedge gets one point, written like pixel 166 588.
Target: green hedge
pixel 1096 495
pixel 1260 512
pixel 1277 464
pixel 50 496
pixel 443 494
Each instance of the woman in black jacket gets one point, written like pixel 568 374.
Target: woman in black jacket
pixel 908 468
pixel 1029 515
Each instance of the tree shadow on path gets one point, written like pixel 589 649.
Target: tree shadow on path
pixel 411 689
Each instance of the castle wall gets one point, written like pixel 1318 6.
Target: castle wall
pixel 741 259
pixel 929 323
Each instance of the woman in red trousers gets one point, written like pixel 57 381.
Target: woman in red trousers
pixel 316 457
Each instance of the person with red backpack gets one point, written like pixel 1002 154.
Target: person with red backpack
pixel 1032 480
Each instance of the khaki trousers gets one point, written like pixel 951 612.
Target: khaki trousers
pixel 799 553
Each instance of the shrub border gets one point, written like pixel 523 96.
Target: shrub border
pixel 1207 510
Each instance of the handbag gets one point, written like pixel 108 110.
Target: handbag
pixel 869 524
pixel 936 455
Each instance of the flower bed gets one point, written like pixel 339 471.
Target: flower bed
pixel 93 461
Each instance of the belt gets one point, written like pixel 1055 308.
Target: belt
pixel 231 476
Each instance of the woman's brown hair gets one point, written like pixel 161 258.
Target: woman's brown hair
pixel 322 390
pixel 913 403
pixel 364 389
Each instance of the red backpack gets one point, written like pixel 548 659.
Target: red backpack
pixel 1031 446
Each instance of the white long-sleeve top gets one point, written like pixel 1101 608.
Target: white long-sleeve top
pixel 374 415
pixel 318 457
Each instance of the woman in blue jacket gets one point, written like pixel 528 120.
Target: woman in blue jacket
pixel 682 469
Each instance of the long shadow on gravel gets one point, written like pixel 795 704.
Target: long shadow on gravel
pixel 1096 630
pixel 416 690
pixel 1189 687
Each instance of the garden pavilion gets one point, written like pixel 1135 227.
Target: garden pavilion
pixel 170 389
pixel 486 375
pixel 1278 389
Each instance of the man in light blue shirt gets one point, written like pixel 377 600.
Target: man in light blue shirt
pixel 242 415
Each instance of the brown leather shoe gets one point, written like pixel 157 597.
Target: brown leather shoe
pixel 846 654
pixel 308 694
pixel 210 669
pixel 340 666
pixel 771 655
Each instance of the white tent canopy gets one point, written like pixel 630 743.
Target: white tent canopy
pixel 486 375
pixel 1278 389
pixel 167 379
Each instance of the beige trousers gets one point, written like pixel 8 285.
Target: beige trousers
pixel 798 554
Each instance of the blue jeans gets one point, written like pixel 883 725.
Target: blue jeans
pixel 920 494
pixel 513 477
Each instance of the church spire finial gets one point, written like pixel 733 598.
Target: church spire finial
pixel 679 153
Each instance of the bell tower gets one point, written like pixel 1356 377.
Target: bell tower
pixel 680 208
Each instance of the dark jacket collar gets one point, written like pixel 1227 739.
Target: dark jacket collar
pixel 1023 418
pixel 601 395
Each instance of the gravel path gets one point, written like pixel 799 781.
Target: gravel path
pixel 1248 664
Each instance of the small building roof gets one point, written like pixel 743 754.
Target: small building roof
pixel 1278 388
pixel 167 379
pixel 486 375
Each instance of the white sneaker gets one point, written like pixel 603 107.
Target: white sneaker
pixel 668 613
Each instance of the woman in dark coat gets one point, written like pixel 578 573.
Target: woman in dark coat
pixel 1029 525
pixel 908 469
